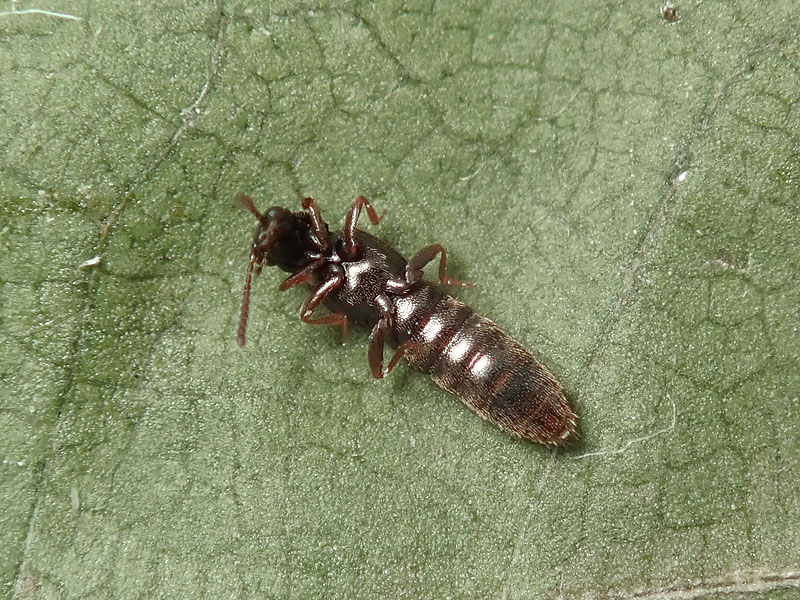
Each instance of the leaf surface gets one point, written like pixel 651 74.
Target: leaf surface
pixel 624 190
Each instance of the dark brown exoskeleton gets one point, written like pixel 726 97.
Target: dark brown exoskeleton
pixel 363 280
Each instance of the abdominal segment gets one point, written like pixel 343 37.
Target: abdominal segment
pixel 493 374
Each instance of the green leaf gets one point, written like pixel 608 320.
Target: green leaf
pixel 623 189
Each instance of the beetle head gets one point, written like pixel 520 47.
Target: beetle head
pixel 282 238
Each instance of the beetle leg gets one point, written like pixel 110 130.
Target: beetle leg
pixel 376 346
pixel 351 221
pixel 400 352
pixel 378 341
pixel 319 229
pixel 375 351
pixel 426 255
pixel 334 319
pixel 317 297
pixel 304 275
pixel 378 336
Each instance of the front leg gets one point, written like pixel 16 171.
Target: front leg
pixel 350 223
pixel 304 275
pixel 319 229
pixel 317 297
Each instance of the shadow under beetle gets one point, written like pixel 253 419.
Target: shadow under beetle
pixel 363 280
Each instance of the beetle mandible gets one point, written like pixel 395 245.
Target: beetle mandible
pixel 363 280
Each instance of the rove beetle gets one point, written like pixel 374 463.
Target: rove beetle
pixel 362 280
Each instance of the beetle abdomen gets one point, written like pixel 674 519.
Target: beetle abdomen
pixel 473 358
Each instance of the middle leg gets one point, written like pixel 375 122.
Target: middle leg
pixel 426 255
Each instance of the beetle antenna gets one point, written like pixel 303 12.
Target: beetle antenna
pixel 246 202
pixel 245 313
pixel 265 238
